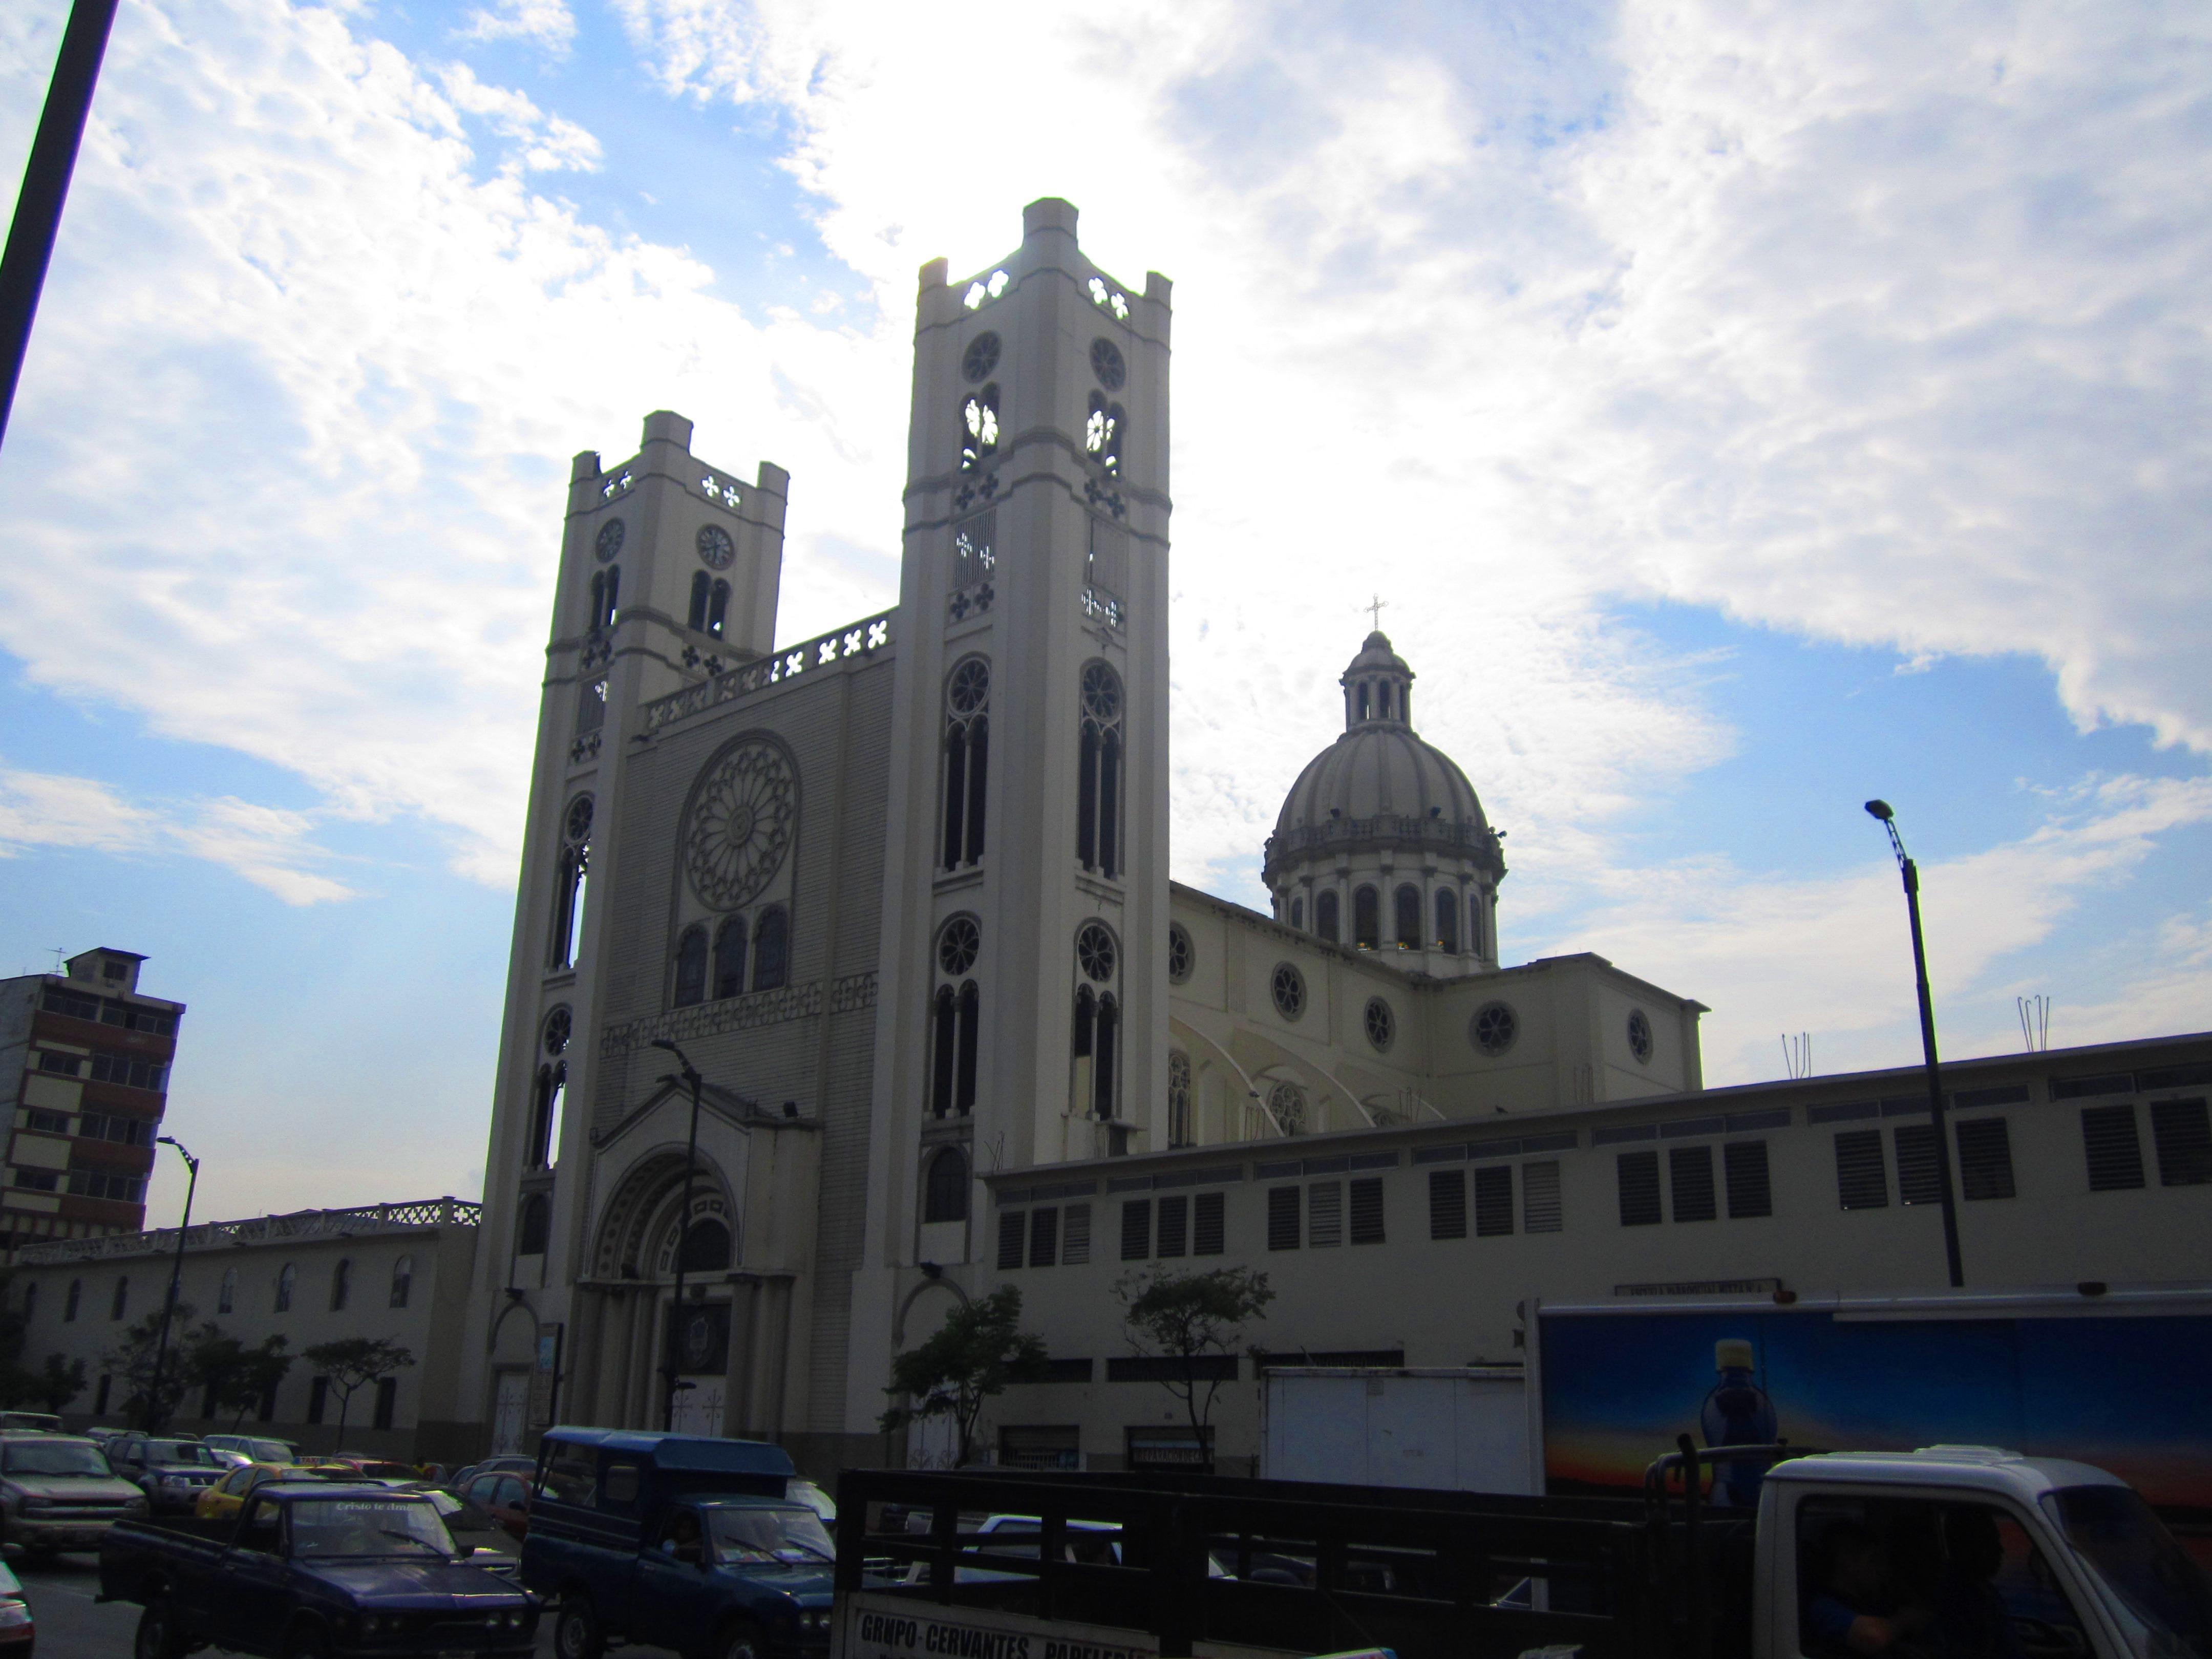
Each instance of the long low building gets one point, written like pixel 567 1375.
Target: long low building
pixel 1422 1245
pixel 395 1272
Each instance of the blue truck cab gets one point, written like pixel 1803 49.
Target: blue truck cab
pixel 677 1541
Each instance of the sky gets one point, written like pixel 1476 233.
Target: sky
pixel 1741 410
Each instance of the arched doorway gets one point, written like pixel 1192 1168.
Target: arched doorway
pixel 636 1247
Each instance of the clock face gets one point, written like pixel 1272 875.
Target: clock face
pixel 611 539
pixel 716 550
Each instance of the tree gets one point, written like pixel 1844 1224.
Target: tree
pixel 232 1377
pixel 59 1383
pixel 132 1358
pixel 351 1364
pixel 978 1351
pixel 1187 1318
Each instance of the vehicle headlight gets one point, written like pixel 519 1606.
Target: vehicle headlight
pixel 14 1616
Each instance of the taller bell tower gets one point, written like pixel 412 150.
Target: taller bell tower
pixel 1023 1010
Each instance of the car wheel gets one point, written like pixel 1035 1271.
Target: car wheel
pixel 578 1635
pixel 740 1641
pixel 158 1635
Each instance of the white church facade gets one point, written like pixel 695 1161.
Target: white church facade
pixel 900 894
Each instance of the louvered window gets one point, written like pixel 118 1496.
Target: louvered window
pixel 1918 1181
pixel 1984 1158
pixel 1209 1231
pixel 1493 1201
pixel 2110 1145
pixel 1367 1211
pixel 1175 1226
pixel 1012 1228
pixel 1136 1229
pixel 1862 1172
pixel 1539 1198
pixel 1447 1204
pixel 1691 1172
pixel 2184 1135
pixel 1044 1236
pixel 1638 1173
pixel 1282 1217
pixel 1749 1191
pixel 1075 1235
pixel 1325 1214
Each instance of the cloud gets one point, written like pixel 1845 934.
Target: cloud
pixel 543 143
pixel 547 24
pixel 42 809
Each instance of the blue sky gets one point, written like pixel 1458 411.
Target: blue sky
pixel 1743 410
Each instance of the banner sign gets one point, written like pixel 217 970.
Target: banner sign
pixel 874 1626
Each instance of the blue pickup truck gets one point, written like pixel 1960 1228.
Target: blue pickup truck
pixel 314 1572
pixel 677 1541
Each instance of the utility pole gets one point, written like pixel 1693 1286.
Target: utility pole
pixel 672 1357
pixel 1880 810
pixel 149 1419
pixel 46 186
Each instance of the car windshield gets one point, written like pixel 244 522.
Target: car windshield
pixel 2131 1550
pixel 267 1451
pixel 55 1457
pixel 366 1525
pixel 180 1451
pixel 757 1535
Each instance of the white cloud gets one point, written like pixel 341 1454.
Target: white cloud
pixel 44 809
pixel 548 24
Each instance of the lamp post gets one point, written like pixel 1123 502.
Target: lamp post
pixel 149 1418
pixel 670 1358
pixel 1880 810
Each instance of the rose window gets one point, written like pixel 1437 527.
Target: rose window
pixel 1493 1027
pixel 741 826
pixel 1381 1023
pixel 1094 952
pixel 1287 1102
pixel 1639 1036
pixel 1290 989
pixel 957 945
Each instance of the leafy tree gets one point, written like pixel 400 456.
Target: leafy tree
pixel 351 1364
pixel 978 1351
pixel 232 1378
pixel 58 1384
pixel 1187 1317
pixel 131 1361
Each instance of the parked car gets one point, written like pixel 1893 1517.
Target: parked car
pixel 18 1631
pixel 172 1472
pixel 236 1449
pixel 526 1467
pixel 59 1493
pixel 30 1423
pixel 823 1505
pixel 227 1496
pixel 374 1469
pixel 504 1495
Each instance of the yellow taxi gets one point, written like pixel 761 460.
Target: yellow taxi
pixel 227 1496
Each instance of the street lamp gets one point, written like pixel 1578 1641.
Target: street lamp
pixel 149 1418
pixel 1880 810
pixel 669 1360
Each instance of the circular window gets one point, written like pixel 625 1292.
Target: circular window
pixel 980 357
pixel 580 819
pixel 1639 1036
pixel 957 945
pixel 1288 1104
pixel 1106 363
pixel 1178 952
pixel 716 550
pixel 1094 951
pixel 1289 988
pixel 740 825
pixel 1101 694
pixel 1381 1023
pixel 558 1024
pixel 971 686
pixel 609 539
pixel 1493 1027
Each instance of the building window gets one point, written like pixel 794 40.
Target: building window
pixel 37 1181
pixel 1180 955
pixel 1096 1050
pixel 72 1301
pixel 944 1050
pixel 702 585
pixel 1288 988
pixel 120 1302
pixel 1493 1201
pixel 1639 1036
pixel 1381 1024
pixel 1638 1175
pixel 772 949
pixel 1104 430
pixel 606 594
pixel 1282 1217
pixel 1447 1204
pixel 1494 1029
pixel 2112 1149
pixel 1175 1226
pixel 30 1303
pixel 1918 1180
pixel 1075 1235
pixel 1325 918
pixel 1367 1210
pixel 387 1399
pixel 319 1393
pixel 1299 913
pixel 53 1123
pixel 1690 1171
pixel 1862 1173
pixel 1014 1227
pixel 341 1286
pixel 100 1399
pixel 226 1297
pixel 545 1115
pixel 966 761
pixel 403 1280
pixel 1136 1229
pixel 1209 1224
pixel 1044 1236
pixel 1324 1214
pixel 1367 919
pixel 979 425
pixel 1098 778
pixel 1750 1194
pixel 1540 1209
pixel 1984 1158
pixel 1179 1131
pixel 2182 1132
pixel 288 1278
pixel 572 870
pixel 944 1192
pixel 730 959
pixel 1447 922
pixel 1407 904
pixel 534 1230
pixel 706 1247
pixel 691 967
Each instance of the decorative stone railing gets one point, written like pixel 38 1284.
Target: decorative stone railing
pixel 261 1229
pixel 859 639
pixel 1384 830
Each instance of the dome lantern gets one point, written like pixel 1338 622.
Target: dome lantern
pixel 1377 685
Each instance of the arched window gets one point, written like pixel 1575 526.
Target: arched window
pixel 706 1247
pixel 1447 922
pixel 72 1301
pixel 287 1278
pixel 1366 919
pixel 944 1188
pixel 1109 1049
pixel 573 868
pixel 1084 1085
pixel 1299 913
pixel 122 1302
pixel 546 1115
pixel 701 583
pixel 403 1280
pixel 30 1303
pixel 1326 920
pixel 966 761
pixel 944 1050
pixel 606 594
pixel 1364 704
pixel 1406 903
pixel 772 949
pixel 964 1081
pixel 1098 783
pixel 718 608
pixel 730 959
pixel 226 1298
pixel 691 967
pixel 978 426
pixel 341 1286
pixel 1179 1126
pixel 535 1227
pixel 1477 935
pixel 1105 432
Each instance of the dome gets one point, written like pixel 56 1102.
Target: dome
pixel 1380 769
